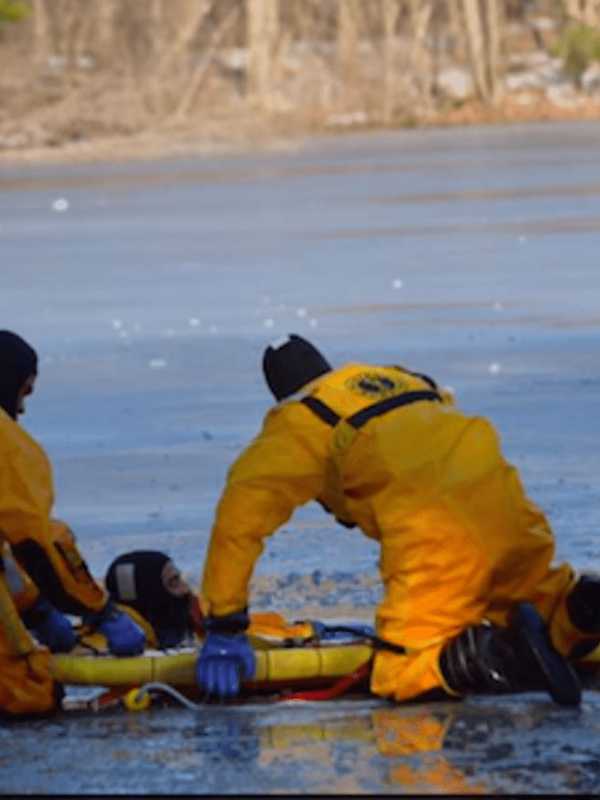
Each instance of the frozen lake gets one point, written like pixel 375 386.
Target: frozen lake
pixel 150 291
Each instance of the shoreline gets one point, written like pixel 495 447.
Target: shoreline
pixel 254 135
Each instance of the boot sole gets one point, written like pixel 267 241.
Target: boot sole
pixel 561 679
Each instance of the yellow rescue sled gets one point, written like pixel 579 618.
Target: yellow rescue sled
pixel 322 671
pixel 277 667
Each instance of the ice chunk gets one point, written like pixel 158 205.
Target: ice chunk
pixel 60 204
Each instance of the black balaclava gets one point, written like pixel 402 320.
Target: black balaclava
pixel 135 579
pixel 17 362
pixel 291 364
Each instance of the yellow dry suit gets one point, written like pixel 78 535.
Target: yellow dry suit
pixel 46 553
pixel 385 449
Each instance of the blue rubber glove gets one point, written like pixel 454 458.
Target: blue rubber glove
pixel 225 659
pixel 123 636
pixel 50 626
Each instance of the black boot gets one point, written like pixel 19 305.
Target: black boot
pixel 480 659
pixel 541 666
pixel 583 608
pixel 486 658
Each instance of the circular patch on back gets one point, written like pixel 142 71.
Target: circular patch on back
pixel 377 385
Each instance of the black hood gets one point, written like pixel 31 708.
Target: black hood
pixel 135 579
pixel 290 364
pixel 18 361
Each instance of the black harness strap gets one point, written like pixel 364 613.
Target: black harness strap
pixel 361 417
pixel 357 420
pixel 421 375
pixel 322 410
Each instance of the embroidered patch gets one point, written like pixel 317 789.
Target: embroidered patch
pixel 376 384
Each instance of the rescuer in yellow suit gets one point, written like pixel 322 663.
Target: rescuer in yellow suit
pixel 50 578
pixel 472 603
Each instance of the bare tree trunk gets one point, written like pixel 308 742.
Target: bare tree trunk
pixel 476 47
pixel 494 29
pixel 41 32
pixel 347 39
pixel 420 17
pixel 157 22
pixel 454 20
pixel 483 24
pixel 571 8
pixel 195 83
pixel 187 29
pixel 390 11
pixel 262 34
pixel 591 13
pixel 105 10
pixel 585 11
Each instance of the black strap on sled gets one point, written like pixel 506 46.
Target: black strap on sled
pixel 376 642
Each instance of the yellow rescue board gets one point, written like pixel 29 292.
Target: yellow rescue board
pixel 274 666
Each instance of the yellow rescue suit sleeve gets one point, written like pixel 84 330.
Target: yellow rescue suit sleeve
pixel 43 547
pixel 23 590
pixel 26 685
pixel 283 468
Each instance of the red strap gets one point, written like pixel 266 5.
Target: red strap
pixel 340 687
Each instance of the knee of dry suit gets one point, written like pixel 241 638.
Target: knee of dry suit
pixel 27 688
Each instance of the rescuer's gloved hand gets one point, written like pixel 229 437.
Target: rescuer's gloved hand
pixel 50 626
pixel 123 636
pixel 226 656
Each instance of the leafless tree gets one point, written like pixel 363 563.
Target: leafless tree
pixel 262 34
pixel 483 34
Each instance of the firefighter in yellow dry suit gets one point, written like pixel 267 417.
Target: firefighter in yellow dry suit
pixel 50 578
pixel 472 600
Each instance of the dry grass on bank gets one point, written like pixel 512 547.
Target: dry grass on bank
pixel 181 81
pixel 242 131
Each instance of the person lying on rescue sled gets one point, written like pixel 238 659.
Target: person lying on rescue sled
pixel 147 585
pixel 472 600
pixel 50 578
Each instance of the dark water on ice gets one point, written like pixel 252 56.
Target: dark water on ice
pixel 150 291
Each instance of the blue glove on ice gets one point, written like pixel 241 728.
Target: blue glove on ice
pixel 123 636
pixel 50 626
pixel 225 659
